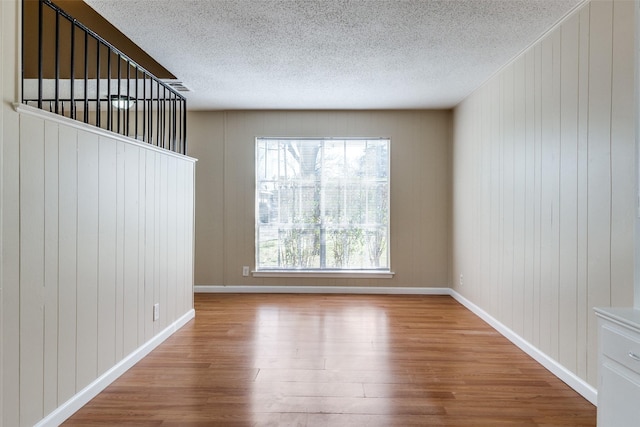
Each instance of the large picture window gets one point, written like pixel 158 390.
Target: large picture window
pixel 322 204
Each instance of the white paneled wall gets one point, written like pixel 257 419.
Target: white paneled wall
pixel 106 231
pixel 544 186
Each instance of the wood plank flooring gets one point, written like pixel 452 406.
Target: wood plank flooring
pixel 336 360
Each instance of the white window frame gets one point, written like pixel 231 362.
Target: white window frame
pixel 382 272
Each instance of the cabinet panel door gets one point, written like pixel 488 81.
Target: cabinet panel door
pixel 618 398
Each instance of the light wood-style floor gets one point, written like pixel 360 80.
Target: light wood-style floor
pixel 336 360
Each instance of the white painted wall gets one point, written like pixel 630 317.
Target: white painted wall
pixel 95 230
pixel 544 186
pixel 224 143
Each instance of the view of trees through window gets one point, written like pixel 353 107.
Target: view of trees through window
pixel 322 204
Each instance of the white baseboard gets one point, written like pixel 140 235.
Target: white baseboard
pixel 572 380
pixel 320 290
pixel 64 411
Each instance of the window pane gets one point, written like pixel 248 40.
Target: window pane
pixel 322 204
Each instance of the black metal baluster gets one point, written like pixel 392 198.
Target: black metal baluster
pixel 40 51
pixel 72 70
pixel 98 76
pixel 183 126
pixel 144 106
pixel 151 113
pixel 158 117
pixel 86 77
pixel 126 109
pixel 174 106
pixel 137 80
pixel 57 64
pixel 119 90
pixel 109 105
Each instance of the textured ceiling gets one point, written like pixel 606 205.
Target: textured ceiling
pixel 332 54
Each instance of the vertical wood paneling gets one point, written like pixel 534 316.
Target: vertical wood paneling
pixel 87 256
pixel 31 270
pixel 583 309
pixel 107 254
pixel 519 192
pixel 10 253
pixel 568 192
pixel 67 279
pixel 51 262
pixel 506 292
pixel 622 142
pixel 158 260
pixel 180 203
pixel 530 199
pixel 150 244
pixel 143 310
pixel 599 170
pixel 131 261
pixel 171 224
pixel 537 194
pixel 163 231
pixel 120 252
pixel 573 122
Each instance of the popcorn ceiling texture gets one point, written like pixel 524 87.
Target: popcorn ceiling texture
pixel 332 54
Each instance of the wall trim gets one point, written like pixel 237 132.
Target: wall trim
pixel 57 118
pixel 572 380
pixel 320 290
pixel 67 409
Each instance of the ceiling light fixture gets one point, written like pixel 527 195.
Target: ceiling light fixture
pixel 122 102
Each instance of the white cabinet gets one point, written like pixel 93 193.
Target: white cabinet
pixel 619 367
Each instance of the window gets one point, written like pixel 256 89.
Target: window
pixel 322 204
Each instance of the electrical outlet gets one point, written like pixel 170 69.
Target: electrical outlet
pixel 245 270
pixel 461 280
pixel 156 311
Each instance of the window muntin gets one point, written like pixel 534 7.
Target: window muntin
pixel 322 204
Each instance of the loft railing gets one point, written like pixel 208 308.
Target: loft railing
pixel 76 73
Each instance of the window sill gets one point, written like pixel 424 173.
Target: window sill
pixel 345 274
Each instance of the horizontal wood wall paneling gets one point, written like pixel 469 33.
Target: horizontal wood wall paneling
pixel 32 220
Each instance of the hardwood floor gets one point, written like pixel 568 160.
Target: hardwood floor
pixel 336 360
